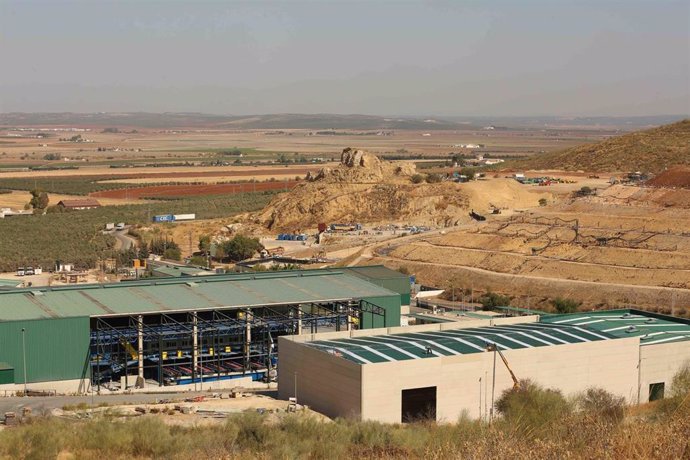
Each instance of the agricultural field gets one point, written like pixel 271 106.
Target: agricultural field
pixel 77 237
pixel 179 191
pixel 246 146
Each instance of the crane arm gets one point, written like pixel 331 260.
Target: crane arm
pixel 516 382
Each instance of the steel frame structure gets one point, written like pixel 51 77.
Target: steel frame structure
pixel 210 344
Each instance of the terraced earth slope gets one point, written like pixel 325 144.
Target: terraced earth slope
pixel 628 246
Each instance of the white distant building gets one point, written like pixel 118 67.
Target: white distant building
pixel 468 146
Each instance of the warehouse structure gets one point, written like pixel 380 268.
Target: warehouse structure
pixel 177 330
pixel 446 369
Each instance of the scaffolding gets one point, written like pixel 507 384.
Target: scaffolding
pixel 190 347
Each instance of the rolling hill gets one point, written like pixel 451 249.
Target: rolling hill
pixel 652 150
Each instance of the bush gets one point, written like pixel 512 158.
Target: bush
pixel 417 179
pixel 434 178
pixel 678 400
pixel 543 202
pixel 172 254
pixel 680 385
pixel 565 305
pixel 491 300
pixel 602 403
pixel 531 407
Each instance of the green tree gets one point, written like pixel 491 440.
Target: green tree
pixel 39 199
pixel 205 243
pixel 241 247
pixel 434 178
pixel 470 173
pixel 458 159
pixel 172 254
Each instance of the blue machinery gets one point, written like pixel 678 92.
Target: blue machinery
pixel 177 348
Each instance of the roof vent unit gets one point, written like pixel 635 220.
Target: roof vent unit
pixel 631 329
pixel 626 315
pixel 191 283
pixel 650 320
pixel 37 293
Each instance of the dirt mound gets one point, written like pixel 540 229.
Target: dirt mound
pixel 652 150
pixel 365 189
pixel 678 176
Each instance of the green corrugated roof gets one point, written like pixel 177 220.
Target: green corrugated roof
pixel 413 345
pixel 9 283
pixel 208 292
pixel 650 327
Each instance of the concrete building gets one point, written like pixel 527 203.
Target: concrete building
pixel 448 369
pixel 177 331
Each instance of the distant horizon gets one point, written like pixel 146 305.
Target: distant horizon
pixel 345 114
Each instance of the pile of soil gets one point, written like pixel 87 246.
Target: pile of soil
pixel 365 189
pixel 678 177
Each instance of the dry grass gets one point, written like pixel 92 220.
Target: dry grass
pixel 651 150
pixel 662 433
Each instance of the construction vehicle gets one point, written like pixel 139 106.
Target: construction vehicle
pixel 516 383
pixel 272 252
pixel 476 216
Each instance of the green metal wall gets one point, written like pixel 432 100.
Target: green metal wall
pixel 399 285
pixel 392 306
pixel 6 376
pixel 384 277
pixel 56 349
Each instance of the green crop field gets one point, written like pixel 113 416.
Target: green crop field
pixel 76 236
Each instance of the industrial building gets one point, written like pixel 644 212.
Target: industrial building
pixel 444 370
pixel 179 331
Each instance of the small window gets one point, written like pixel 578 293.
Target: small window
pixel 656 391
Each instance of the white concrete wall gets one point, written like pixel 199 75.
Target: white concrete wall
pixel 571 368
pixel 327 383
pixel 659 363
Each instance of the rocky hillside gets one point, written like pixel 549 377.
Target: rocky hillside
pixel 652 150
pixel 363 188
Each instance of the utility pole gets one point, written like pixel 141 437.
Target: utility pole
pixel 24 358
pixel 493 387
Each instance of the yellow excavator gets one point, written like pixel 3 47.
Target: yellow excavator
pixel 516 383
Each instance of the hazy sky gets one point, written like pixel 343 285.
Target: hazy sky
pixel 512 57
